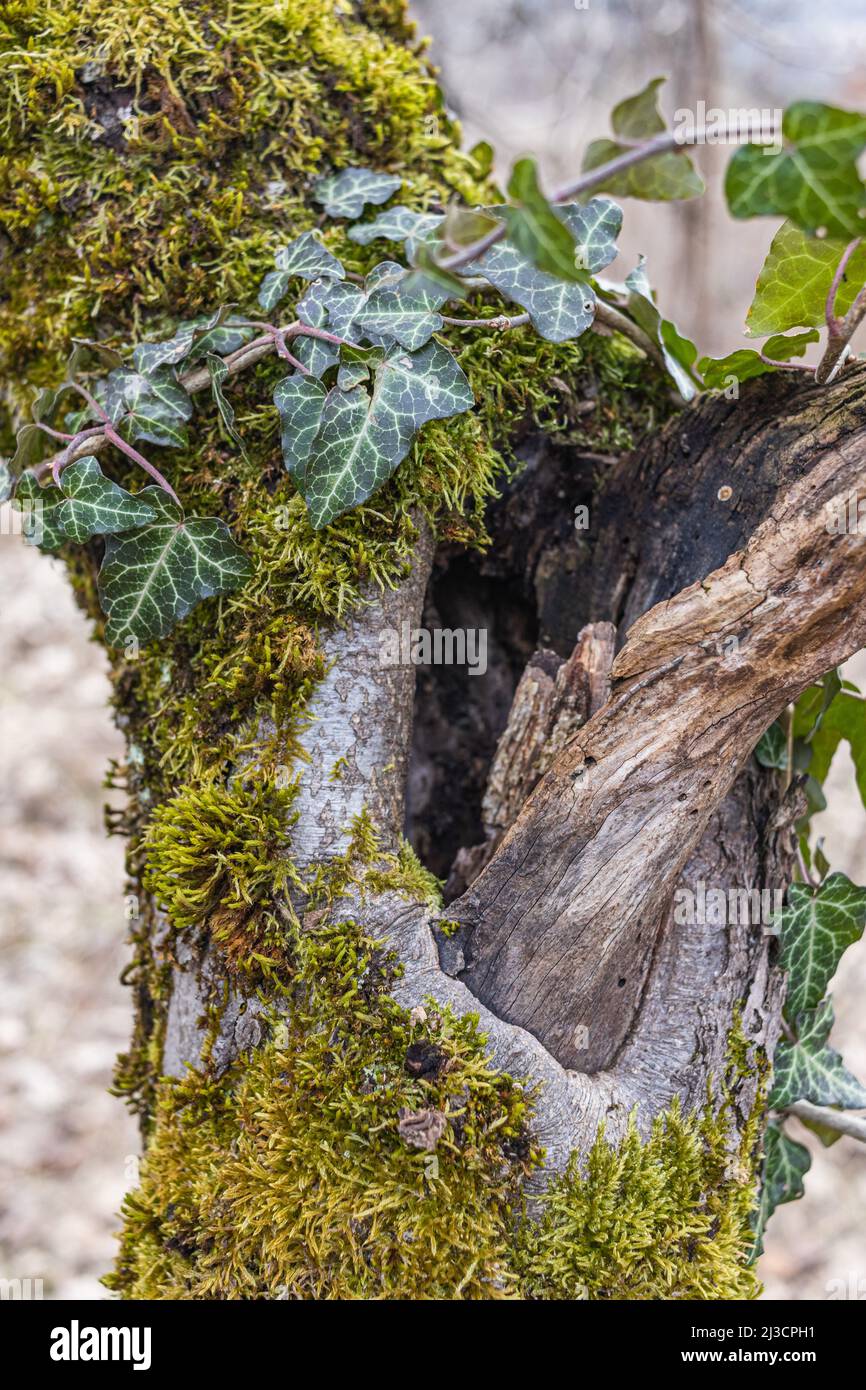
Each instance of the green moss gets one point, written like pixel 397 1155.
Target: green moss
pixel 663 1219
pixel 219 847
pixel 290 1177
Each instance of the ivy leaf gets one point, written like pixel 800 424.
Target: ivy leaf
pixel 299 400
pixel 218 373
pixel 96 506
pixel 152 577
pixel 425 257
pixel 667 176
pixel 153 408
pixel 558 309
pixel 795 280
pixel 595 227
pixel 32 445
pixel 785 1165
pixel 362 438
pixel 314 310
pixel 347 193
pixel 744 364
pixel 813 179
pixel 401 309
pixel 219 332
pixel 772 748
pixel 810 1070
pixel 534 228
pixel 395 224
pixel 357 365
pixel 463 226
pixel 7 482
pixel 844 719
pixel 40 509
pixel 678 352
pixel 816 927
pixel 306 258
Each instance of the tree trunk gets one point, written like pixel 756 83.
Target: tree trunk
pixel 347 1087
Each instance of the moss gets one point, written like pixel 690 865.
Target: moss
pixel 216 859
pixel 663 1219
pixel 154 154
pixel 291 1178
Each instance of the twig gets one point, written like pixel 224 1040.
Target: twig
pixel 786 366
pixel 501 321
pixel 668 142
pixel 840 331
pixel 841 1120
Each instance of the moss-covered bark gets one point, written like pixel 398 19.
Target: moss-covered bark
pixel 154 155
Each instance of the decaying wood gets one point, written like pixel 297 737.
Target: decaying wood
pixel 554 697
pixel 563 923
pixel 569 954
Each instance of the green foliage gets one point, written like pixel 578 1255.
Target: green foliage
pixel 817 926
pixel 795 280
pixel 347 194
pixel 785 1164
pixel 812 179
pixel 809 1069
pixel 678 352
pixel 534 228
pixel 744 364
pixel 362 437
pixel 558 309
pixel 152 577
pixel 305 258
pixel 153 409
pixel 669 175
pixel 819 922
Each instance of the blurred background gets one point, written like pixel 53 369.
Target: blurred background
pixel 530 76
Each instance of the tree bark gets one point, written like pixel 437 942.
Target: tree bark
pixel 567 937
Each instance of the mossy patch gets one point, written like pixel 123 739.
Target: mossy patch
pixel 293 1177
pixel 667 1218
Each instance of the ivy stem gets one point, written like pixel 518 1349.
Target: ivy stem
pixel 839 1120
pixel 803 867
pixel 840 331
pixel 834 324
pixel 668 142
pixel 119 443
pixel 500 321
pixel 787 366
